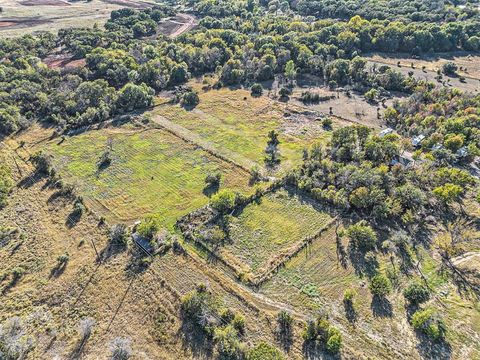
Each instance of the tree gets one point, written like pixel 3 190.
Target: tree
pixel 362 235
pixel 256 90
pixel 6 183
pixel 449 68
pixel 448 193
pixel 272 155
pixel 121 349
pixel 430 323
pixel 132 97
pixel 9 119
pixel 223 201
pixel 118 234
pixel 190 99
pixel 380 285
pixel 416 293
pixel 148 227
pixel 264 351
pixel 290 71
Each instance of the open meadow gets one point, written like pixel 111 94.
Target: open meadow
pixel 237 124
pixel 151 172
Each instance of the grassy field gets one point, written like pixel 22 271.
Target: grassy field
pixel 152 171
pixel 264 230
pixel 313 277
pixel 235 121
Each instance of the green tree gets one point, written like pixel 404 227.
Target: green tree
pixel 380 285
pixel 223 201
pixel 362 235
pixel 416 293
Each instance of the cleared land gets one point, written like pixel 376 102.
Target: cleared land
pixel 432 65
pixel 274 226
pixel 235 121
pixel 21 17
pixel 152 171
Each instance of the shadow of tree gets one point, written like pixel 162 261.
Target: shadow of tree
pixel 58 269
pixel 381 307
pixel 433 350
pixel 195 340
pixel 210 189
pixel 314 351
pixel 350 312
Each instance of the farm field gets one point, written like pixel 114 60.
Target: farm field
pixel 20 17
pixel 265 230
pixel 152 171
pixel 235 121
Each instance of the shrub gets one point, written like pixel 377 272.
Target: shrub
pixel 334 342
pixel 63 259
pixel 118 234
pixel 256 90
pixel 121 349
pixel 264 351
pixel 229 347
pixel 349 295
pixel 429 322
pixel 223 201
pixel 416 293
pixel 190 98
pixel 327 123
pixel 380 285
pixel 148 227
pixel 213 179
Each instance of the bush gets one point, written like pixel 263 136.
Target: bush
pixel 190 98
pixel 213 179
pixel 264 351
pixel 322 331
pixel 148 227
pixel 416 293
pixel 223 201
pixel 349 295
pixel 285 320
pixel 380 285
pixel 334 342
pixel 228 345
pixel 327 123
pixel 118 234
pixel 121 349
pixel 256 90
pixel 429 322
pixel 85 328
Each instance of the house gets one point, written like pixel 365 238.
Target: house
pixel 437 147
pixel 385 132
pixel 462 152
pixel 417 140
pixel 406 160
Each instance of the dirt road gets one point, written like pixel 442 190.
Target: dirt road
pixel 189 23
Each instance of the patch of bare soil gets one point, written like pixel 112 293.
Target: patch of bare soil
pixel 130 3
pixel 20 23
pixel 44 3
pixel 7 23
pixel 63 62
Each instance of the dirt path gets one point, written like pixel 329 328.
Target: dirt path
pixel 190 23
